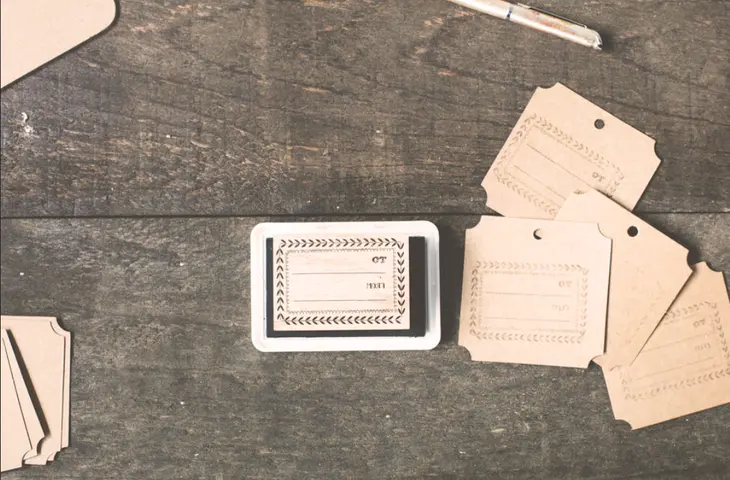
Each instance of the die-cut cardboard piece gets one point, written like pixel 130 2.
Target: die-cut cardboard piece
pixel 648 270
pixel 34 32
pixel 41 343
pixel 66 431
pixel 14 439
pixel 557 148
pixel 685 366
pixel 336 283
pixel 20 430
pixel 32 424
pixel 534 291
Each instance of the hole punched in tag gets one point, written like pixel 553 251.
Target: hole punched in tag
pixel 537 234
pixel 599 124
pixel 632 231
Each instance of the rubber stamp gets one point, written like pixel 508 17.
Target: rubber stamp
pixel 345 286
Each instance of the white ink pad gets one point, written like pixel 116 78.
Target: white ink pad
pixel 345 286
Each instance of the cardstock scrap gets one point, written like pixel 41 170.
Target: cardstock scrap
pixel 42 344
pixel 33 428
pixel 34 32
pixel 15 442
pixel 21 430
pixel 535 291
pixel 685 366
pixel 341 283
pixel 66 431
pixel 648 270
pixel 563 143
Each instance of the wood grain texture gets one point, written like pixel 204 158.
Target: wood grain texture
pixel 166 383
pixel 308 107
pixel 348 106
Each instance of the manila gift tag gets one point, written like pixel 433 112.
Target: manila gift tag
pixel 648 269
pixel 534 291
pixel 563 143
pixel 685 366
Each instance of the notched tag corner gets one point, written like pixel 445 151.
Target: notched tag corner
pixel 472 349
pixel 534 292
pixel 563 142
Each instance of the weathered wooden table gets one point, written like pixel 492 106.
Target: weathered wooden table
pixel 134 168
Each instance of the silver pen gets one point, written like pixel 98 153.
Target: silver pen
pixel 537 19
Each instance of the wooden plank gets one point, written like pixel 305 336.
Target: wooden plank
pixel 166 383
pixel 273 107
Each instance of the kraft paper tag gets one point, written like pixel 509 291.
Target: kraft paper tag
pixel 42 344
pixel 563 143
pixel 20 428
pixel 648 269
pixel 324 282
pixel 34 32
pixel 32 425
pixel 685 365
pixel 15 442
pixel 534 291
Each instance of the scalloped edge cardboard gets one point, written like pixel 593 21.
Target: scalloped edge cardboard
pixel 21 428
pixel 45 348
pixel 685 366
pixel 557 147
pixel 534 291
pixel 648 270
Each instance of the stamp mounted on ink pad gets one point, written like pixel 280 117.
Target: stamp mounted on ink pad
pixel 340 283
pixel 345 286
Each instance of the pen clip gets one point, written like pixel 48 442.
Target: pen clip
pixel 552 14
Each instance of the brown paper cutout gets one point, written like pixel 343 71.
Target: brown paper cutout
pixel 534 291
pixel 41 343
pixel 685 366
pixel 34 32
pixel 335 282
pixel 557 148
pixel 34 430
pixel 66 432
pixel 21 430
pixel 648 269
pixel 14 441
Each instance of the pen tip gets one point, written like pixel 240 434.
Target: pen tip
pixel 599 42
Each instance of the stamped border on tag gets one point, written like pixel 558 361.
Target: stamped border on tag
pixel 571 335
pixel 703 375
